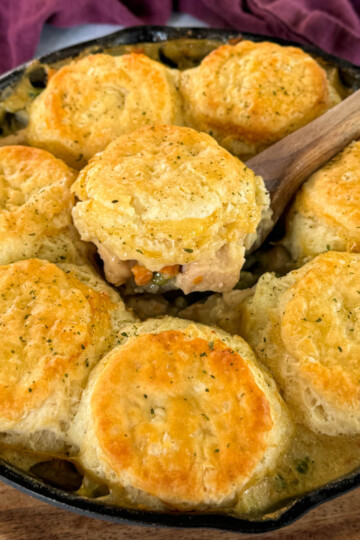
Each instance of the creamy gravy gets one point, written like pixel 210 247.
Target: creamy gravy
pixel 310 461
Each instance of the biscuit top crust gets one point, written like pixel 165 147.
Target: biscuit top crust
pixel 166 195
pixel 257 91
pixel 182 419
pixel 35 195
pixel 52 326
pixel 91 101
pixel 320 327
pixel 333 195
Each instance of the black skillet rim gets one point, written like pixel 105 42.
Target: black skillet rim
pixel 90 507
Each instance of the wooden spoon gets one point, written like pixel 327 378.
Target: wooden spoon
pixel 285 165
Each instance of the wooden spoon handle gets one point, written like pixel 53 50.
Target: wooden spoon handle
pixel 288 163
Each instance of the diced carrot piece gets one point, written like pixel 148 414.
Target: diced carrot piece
pixel 198 280
pixel 170 270
pixel 141 274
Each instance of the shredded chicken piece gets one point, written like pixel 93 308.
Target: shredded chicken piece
pixel 141 274
pixel 116 271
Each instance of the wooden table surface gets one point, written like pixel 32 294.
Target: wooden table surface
pixel 25 518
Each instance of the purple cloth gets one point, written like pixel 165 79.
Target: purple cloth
pixel 333 25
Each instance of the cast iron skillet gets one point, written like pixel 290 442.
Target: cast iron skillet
pixel 350 76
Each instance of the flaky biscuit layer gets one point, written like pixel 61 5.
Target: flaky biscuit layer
pixel 182 413
pixel 326 211
pixel 305 328
pixel 250 95
pixel 35 207
pixel 55 324
pixel 90 102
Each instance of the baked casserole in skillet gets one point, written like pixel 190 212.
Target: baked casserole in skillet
pixel 125 204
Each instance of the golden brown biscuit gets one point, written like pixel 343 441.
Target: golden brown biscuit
pixel 326 211
pixel 305 328
pixel 91 101
pixel 181 413
pixel 55 324
pixel 35 207
pixel 250 95
pixel 170 201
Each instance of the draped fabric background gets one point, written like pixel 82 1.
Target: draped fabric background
pixel 332 25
